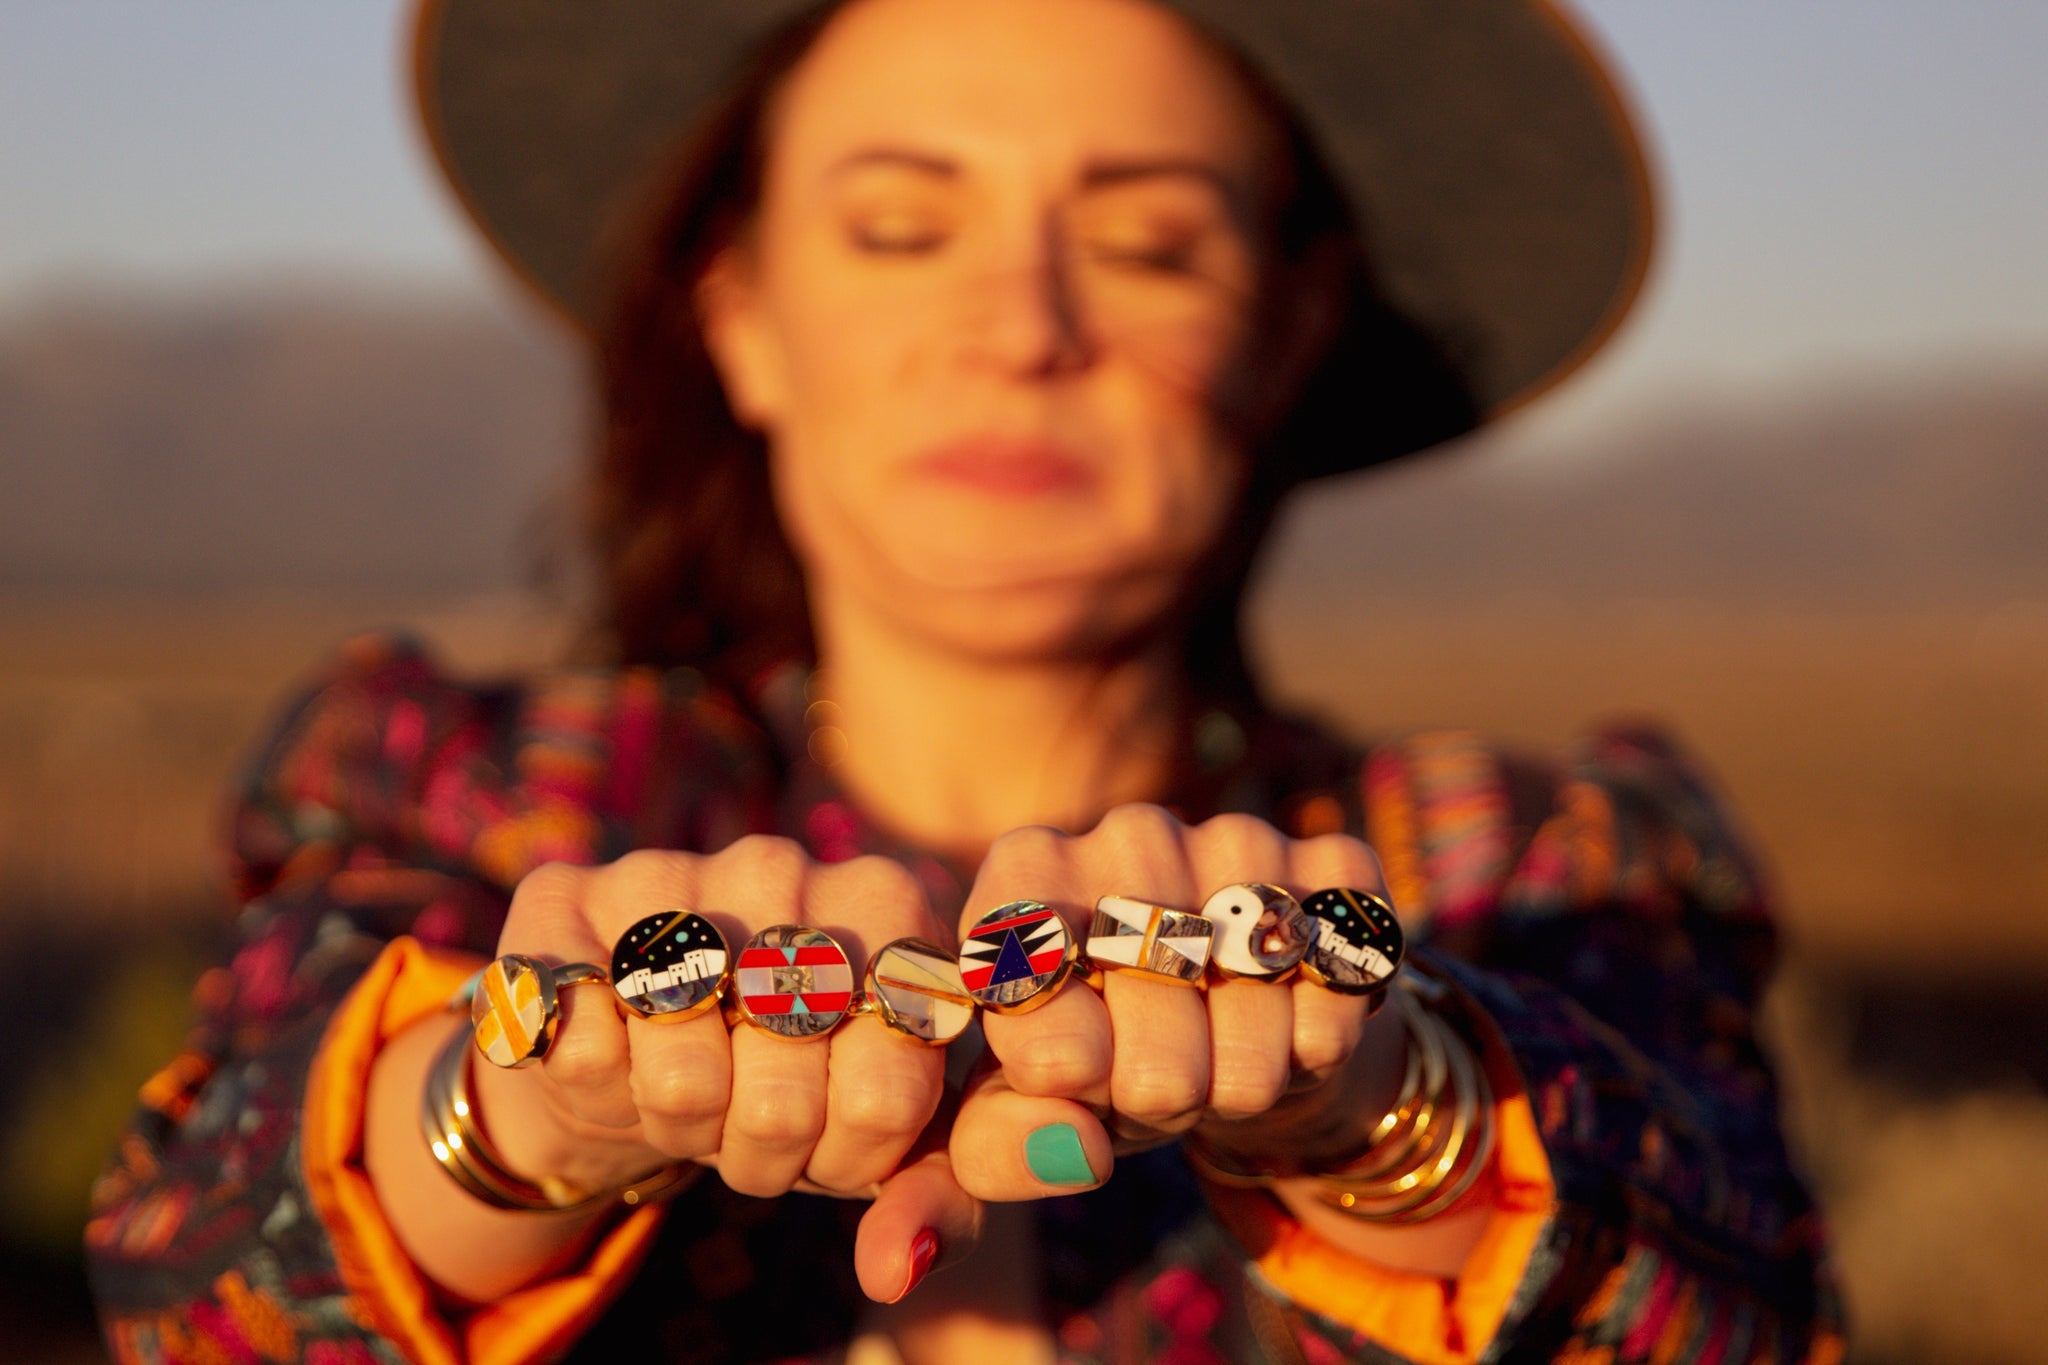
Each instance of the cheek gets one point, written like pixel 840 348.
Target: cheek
pixel 1189 365
pixel 1181 474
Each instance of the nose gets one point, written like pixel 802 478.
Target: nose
pixel 1023 315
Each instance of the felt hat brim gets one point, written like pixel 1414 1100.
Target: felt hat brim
pixel 1501 190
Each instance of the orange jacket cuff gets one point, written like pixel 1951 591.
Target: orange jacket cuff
pixel 407 983
pixel 1418 1317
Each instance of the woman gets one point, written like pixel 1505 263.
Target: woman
pixel 967 356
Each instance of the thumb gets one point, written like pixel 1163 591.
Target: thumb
pixel 920 1219
pixel 1008 1146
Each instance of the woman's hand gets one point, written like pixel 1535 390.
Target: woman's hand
pixel 1144 1060
pixel 617 1095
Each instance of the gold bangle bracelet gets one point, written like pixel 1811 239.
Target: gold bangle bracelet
pixel 1438 1182
pixel 1417 1118
pixel 1386 1200
pixel 1435 1146
pixel 447 1120
pixel 1427 1152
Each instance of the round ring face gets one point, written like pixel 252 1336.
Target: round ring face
pixel 670 966
pixel 1357 945
pixel 1133 935
pixel 1016 956
pixel 1260 931
pixel 794 982
pixel 512 1015
pixel 916 989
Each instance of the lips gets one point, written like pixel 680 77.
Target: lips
pixel 1007 467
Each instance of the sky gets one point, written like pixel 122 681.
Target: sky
pixel 1852 186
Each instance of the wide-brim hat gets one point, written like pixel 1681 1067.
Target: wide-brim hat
pixel 1500 187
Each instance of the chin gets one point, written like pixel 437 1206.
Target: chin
pixel 1036 622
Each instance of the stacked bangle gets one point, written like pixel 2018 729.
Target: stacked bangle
pixel 1429 1161
pixel 1419 1158
pixel 448 1120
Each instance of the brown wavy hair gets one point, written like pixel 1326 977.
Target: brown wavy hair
pixel 692 564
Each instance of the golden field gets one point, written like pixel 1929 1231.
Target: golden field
pixel 1893 766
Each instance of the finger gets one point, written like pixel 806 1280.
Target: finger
pixel 681 1082
pixel 670 1074
pixel 776 1112
pixel 590 1062
pixel 1009 1146
pixel 1251 1037
pixel 882 1090
pixel 587 1064
pixel 775 1107
pixel 1063 1049
pixel 1159 1031
pixel 1030 863
pixel 1328 1024
pixel 549 915
pixel 1161 1052
pixel 922 1220
pixel 1251 1022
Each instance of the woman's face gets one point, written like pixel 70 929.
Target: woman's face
pixel 1000 280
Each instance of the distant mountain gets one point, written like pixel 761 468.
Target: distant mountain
pixel 1873 491
pixel 327 444
pixel 426 445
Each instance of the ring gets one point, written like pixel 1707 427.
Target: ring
pixel 1131 935
pixel 794 981
pixel 1261 932
pixel 1016 957
pixel 670 967
pixel 914 987
pixel 513 1014
pixel 1356 944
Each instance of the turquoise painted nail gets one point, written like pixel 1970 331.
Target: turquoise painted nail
pixel 1055 1156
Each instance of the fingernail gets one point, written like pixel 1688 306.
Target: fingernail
pixel 1055 1155
pixel 924 1249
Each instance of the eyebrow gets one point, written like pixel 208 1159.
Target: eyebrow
pixel 1096 175
pixel 903 157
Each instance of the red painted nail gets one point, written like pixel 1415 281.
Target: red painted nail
pixel 924 1249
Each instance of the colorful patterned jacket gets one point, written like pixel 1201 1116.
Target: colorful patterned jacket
pixel 1599 911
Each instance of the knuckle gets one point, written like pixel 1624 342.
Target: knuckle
pixel 884 879
pixel 768 859
pixel 1247 1080
pixel 1240 839
pixel 1026 844
pixel 1321 1044
pixel 678 1096
pixel 891 1108
pixel 1140 819
pixel 1139 831
pixel 547 894
pixel 777 1117
pixel 550 879
pixel 586 1060
pixel 1158 1094
pixel 645 879
pixel 1061 1064
pixel 1351 861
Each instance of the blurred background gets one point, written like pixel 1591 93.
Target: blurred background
pixel 259 389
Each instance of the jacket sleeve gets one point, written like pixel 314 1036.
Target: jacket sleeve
pixel 1610 930
pixel 234 1223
